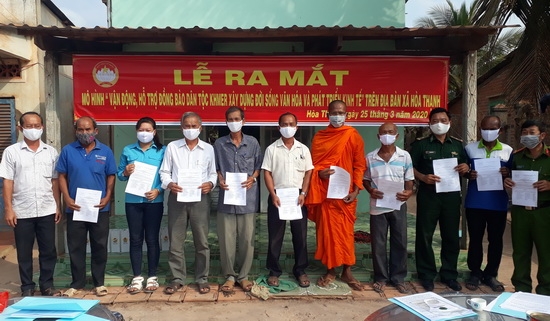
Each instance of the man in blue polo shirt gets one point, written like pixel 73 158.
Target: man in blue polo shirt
pixel 486 209
pixel 87 163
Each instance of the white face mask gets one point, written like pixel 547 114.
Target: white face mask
pixel 440 128
pixel 387 139
pixel 288 132
pixel 145 137
pixel 191 134
pixel 337 120
pixel 489 135
pixel 235 127
pixel 32 134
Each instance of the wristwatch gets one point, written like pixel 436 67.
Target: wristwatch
pixel 303 193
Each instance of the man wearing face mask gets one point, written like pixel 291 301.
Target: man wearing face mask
pixel 87 163
pixel 237 153
pixel 389 163
pixel 287 164
pixel 188 154
pixel 531 225
pixel 486 209
pixel 32 204
pixel 435 207
pixel 342 146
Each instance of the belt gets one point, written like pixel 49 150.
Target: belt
pixel 541 205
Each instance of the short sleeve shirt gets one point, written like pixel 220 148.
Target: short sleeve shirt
pixel 541 164
pixel 32 173
pixel 287 166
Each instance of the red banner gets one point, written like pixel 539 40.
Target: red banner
pixel 121 89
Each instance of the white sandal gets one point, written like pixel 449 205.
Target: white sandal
pixel 136 285
pixel 152 284
pixel 71 292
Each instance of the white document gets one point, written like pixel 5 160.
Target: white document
pixel 390 189
pixel 338 183
pixel 236 194
pixel 450 181
pixel 488 174
pixel 87 199
pixel 523 192
pixel 289 209
pixel 141 180
pixel 190 182
pixel 431 306
pixel 524 302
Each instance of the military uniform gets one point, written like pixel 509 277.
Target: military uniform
pixel 435 207
pixel 531 225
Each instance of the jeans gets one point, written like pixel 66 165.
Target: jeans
pixel 144 223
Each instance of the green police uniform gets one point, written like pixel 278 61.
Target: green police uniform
pixel 532 226
pixel 435 207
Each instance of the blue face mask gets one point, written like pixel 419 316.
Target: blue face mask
pixel 85 138
pixel 530 141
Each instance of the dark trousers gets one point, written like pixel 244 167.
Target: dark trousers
pixel 396 269
pixel 77 231
pixel 144 223
pixel 276 233
pixel 43 229
pixel 495 222
pixel 433 208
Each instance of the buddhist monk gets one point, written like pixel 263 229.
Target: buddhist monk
pixel 342 146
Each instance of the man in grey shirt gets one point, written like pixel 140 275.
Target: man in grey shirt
pixel 237 153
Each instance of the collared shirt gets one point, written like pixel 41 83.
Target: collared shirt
pixel 247 158
pixel 178 157
pixel 523 161
pixel 489 200
pixel 288 167
pixel 32 173
pixel 152 156
pixel 87 170
pixel 398 169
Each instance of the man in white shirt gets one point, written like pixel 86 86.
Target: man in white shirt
pixel 287 164
pixel 181 158
pixel 390 163
pixel 31 202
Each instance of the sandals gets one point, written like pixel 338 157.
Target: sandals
pixel 403 288
pixel 246 285
pixel 326 279
pixel 136 285
pixel 204 288
pixel 472 283
pixel 101 291
pixel 50 292
pixel 303 281
pixel 273 280
pixel 152 284
pixel 71 292
pixel 228 286
pixel 353 284
pixel 378 286
pixel 172 288
pixel 494 284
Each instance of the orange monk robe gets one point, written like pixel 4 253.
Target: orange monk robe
pixel 333 218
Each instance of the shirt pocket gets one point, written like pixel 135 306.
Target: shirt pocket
pixel 46 169
pixel 299 164
pixel 245 163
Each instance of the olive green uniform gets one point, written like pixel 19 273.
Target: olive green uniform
pixel 435 207
pixel 532 226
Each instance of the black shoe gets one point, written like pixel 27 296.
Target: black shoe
pixel 28 292
pixel 428 285
pixel 50 292
pixel 453 284
pixel 494 284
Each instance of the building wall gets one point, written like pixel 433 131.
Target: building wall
pixel 259 14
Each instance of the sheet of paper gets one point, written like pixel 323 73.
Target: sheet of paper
pixel 523 192
pixel 67 304
pixel 190 182
pixel 141 180
pixel 524 302
pixel 289 209
pixel 390 189
pixel 236 194
pixel 338 183
pixel 431 306
pixel 87 199
pixel 450 181
pixel 488 174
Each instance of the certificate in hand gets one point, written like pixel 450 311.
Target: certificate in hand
pixel 141 180
pixel 289 209
pixel 338 183
pixel 488 174
pixel 87 199
pixel 236 194
pixel 390 189
pixel 190 182
pixel 523 192
pixel 450 181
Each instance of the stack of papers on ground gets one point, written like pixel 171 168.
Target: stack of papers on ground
pixel 432 307
pixel 30 308
pixel 516 304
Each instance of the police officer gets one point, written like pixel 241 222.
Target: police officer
pixel 435 207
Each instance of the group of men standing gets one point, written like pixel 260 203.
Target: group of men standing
pixel 35 177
